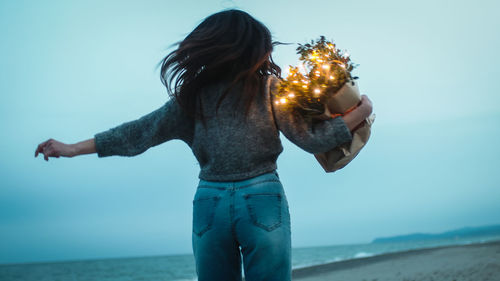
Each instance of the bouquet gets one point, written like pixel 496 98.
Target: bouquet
pixel 322 87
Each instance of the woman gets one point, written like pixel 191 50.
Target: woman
pixel 220 79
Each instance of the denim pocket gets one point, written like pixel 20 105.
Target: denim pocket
pixel 203 214
pixel 264 209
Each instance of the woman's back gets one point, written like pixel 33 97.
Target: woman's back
pixel 230 146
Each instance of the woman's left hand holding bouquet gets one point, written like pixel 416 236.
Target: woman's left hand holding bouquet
pixel 359 114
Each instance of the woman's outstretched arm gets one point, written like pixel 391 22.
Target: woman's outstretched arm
pixel 130 138
pixel 53 148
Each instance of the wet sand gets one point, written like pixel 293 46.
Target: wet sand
pixel 473 262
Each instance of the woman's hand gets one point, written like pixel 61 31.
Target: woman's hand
pixel 359 114
pixel 367 106
pixel 53 148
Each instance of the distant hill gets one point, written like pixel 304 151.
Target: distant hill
pixel 457 233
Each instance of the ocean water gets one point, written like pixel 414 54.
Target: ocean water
pixel 181 267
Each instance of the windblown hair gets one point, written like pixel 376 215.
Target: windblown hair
pixel 229 46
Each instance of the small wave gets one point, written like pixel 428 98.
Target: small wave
pixel 362 255
pixel 304 265
pixel 336 259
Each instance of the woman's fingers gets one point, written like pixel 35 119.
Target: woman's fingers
pixel 49 148
pixel 366 103
pixel 41 146
pixel 52 149
pixel 366 100
pixel 46 152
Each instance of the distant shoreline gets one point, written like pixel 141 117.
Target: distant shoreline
pixel 353 265
pixel 464 233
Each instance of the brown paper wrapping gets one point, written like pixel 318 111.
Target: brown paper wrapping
pixel 345 99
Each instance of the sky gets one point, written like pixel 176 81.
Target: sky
pixel 70 69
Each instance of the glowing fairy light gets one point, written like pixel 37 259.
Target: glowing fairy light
pixel 322 70
pixel 314 55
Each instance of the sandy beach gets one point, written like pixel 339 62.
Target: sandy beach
pixel 473 262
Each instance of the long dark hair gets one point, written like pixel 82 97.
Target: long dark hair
pixel 229 46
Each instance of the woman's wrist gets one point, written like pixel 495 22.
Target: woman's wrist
pixel 72 150
pixel 83 147
pixel 352 119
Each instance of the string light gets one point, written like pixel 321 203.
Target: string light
pixel 323 70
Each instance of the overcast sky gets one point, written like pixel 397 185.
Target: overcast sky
pixel 70 69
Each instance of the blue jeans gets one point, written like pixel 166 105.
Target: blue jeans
pixel 246 219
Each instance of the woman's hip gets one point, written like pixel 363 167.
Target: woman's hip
pixel 260 201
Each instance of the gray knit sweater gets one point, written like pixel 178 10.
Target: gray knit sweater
pixel 229 148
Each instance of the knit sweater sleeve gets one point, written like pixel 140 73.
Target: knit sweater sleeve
pixel 313 136
pixel 134 137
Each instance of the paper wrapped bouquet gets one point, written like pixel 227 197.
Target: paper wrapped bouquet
pixel 322 87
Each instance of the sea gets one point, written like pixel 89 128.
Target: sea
pixel 182 268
